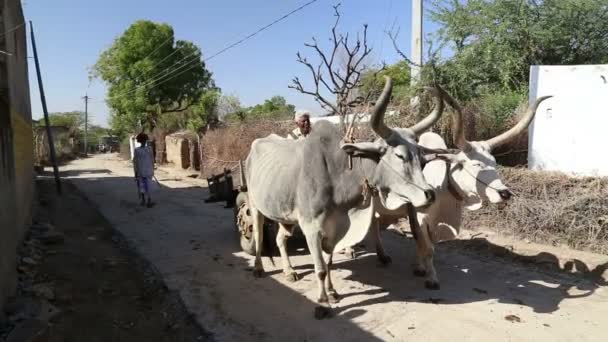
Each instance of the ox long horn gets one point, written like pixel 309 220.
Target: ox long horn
pixel 377 119
pixel 430 120
pixel 519 127
pixel 457 122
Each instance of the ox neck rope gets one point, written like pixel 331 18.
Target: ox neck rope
pixel 451 187
pixel 369 190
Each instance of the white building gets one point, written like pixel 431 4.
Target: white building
pixel 570 130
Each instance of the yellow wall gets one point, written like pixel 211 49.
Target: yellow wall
pixel 23 145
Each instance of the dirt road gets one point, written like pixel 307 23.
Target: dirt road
pixel 193 245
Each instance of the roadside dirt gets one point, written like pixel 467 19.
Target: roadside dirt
pixel 79 281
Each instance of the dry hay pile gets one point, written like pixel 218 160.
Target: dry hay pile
pixel 224 147
pixel 550 208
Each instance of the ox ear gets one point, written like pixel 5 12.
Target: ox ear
pixel 363 148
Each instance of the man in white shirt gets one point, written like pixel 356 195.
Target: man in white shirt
pixel 302 119
pixel 143 167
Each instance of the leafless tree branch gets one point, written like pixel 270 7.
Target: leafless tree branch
pixel 338 81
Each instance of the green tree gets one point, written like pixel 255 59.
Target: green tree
pixel 495 42
pixel 274 108
pixel 372 81
pixel 229 105
pixel 73 120
pixel 205 110
pixel 149 74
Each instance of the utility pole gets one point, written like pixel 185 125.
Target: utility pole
pixel 86 122
pixel 49 133
pixel 416 41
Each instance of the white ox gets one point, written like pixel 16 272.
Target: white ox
pixel 326 197
pixel 463 180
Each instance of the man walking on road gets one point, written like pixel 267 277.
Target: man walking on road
pixel 143 166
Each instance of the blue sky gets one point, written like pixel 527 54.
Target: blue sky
pixel 71 34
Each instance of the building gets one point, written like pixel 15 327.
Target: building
pixel 16 142
pixel 568 133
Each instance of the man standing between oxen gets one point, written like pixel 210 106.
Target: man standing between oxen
pixel 302 119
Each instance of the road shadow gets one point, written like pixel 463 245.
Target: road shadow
pixel 476 270
pixel 202 261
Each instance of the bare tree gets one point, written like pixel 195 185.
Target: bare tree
pixel 338 78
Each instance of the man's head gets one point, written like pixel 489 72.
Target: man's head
pixel 142 138
pixel 302 119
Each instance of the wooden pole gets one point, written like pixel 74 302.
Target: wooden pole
pixel 46 113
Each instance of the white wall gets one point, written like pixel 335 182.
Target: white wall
pixel 570 130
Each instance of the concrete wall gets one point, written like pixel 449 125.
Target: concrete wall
pixel 16 143
pixel 568 133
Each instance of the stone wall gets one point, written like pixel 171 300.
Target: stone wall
pixel 16 142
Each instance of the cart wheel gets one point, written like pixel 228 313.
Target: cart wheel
pixel 244 225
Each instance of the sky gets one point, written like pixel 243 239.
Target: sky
pixel 70 35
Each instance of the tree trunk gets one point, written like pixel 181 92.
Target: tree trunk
pixel 200 154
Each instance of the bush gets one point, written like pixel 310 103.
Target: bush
pixel 495 112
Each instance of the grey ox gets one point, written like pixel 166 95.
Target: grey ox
pixel 463 180
pixel 311 183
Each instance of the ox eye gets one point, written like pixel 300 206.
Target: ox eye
pixel 404 157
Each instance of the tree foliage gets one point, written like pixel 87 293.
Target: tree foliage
pixel 73 120
pixel 372 81
pixel 149 73
pixel 495 42
pixel 274 108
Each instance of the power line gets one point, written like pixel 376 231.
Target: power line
pixel 195 56
pixel 13 29
pixel 158 47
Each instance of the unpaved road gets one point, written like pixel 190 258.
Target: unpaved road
pixel 95 289
pixel 193 245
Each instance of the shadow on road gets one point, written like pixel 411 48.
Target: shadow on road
pixel 211 279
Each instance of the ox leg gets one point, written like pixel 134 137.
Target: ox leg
pixel 258 235
pixel 425 258
pixel 380 252
pixel 412 215
pixel 285 233
pixel 334 297
pixel 313 240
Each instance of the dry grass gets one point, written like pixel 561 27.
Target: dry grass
pixel 550 208
pixel 224 147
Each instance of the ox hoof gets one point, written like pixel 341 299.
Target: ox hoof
pixel 431 285
pixel 334 297
pixel 322 312
pixel 419 272
pixel 385 259
pixel 258 273
pixel 292 277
